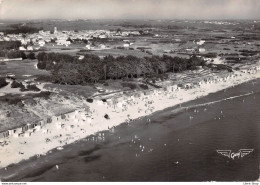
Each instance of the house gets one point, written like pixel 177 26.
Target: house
pixel 27 134
pixel 88 47
pixel 22 48
pixel 201 50
pixel 29 48
pixel 63 42
pixel 102 46
pixel 81 57
pixel 126 45
pixel 41 43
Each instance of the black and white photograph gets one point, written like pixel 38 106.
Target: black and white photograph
pixel 103 91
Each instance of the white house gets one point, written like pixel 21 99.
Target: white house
pixel 88 46
pixel 201 50
pixel 81 57
pixel 22 48
pixel 29 48
pixel 126 45
pixel 63 42
pixel 102 46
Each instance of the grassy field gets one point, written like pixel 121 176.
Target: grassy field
pixel 24 69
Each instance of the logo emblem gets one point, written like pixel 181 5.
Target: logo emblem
pixel 232 155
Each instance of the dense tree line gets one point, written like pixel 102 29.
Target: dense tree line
pixel 12 54
pixel 67 69
pixel 9 45
pixel 18 28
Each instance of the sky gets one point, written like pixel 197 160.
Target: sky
pixel 129 9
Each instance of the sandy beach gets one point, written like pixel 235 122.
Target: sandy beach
pixel 83 123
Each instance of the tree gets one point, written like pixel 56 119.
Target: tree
pixel 31 56
pixel 3 82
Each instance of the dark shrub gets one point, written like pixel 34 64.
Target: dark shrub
pixel 33 88
pixel 130 85
pixel 43 94
pixel 3 82
pixel 106 116
pixel 16 84
pixel 23 56
pixel 31 56
pixel 143 86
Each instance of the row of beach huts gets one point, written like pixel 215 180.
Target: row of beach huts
pixel 60 120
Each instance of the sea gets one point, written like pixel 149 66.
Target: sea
pixel 214 138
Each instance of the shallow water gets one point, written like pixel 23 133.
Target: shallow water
pixel 173 146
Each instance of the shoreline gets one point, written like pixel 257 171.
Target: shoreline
pixel 57 137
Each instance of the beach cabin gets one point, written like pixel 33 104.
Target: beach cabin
pixel 49 120
pixel 21 134
pixel 114 100
pixel 195 84
pixel 180 86
pixel 174 87
pixel 148 92
pixel 169 88
pixel 4 134
pixel 71 114
pixel 109 102
pixel 12 132
pixel 27 134
pixel 63 116
pixel 243 71
pixel 40 123
pixel 137 95
pixel 38 128
pixel 31 126
pixel 25 127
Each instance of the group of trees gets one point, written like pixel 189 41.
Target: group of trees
pixel 20 28
pixel 9 49
pixel 9 45
pixel 3 82
pixel 12 54
pixel 67 69
pixel 17 54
